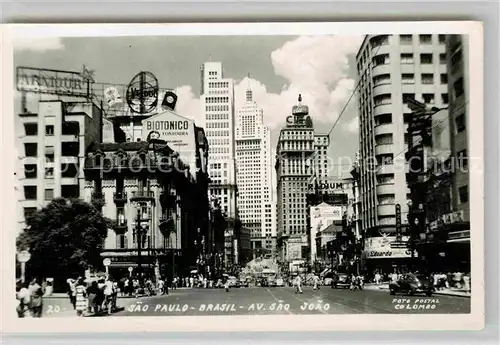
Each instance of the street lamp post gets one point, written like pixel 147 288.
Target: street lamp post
pixel 140 231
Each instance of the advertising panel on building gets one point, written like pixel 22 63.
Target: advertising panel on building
pixel 322 216
pixel 380 248
pixel 177 131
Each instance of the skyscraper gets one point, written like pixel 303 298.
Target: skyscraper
pixel 217 98
pixel 293 171
pixel 254 174
pixel 391 69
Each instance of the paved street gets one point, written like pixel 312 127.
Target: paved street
pixel 255 301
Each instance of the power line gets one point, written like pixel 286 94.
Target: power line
pixel 352 93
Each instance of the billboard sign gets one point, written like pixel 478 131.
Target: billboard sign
pixel 177 131
pixel 380 248
pixel 322 216
pixel 54 82
pixel 142 93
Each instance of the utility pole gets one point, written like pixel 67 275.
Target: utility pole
pixel 139 243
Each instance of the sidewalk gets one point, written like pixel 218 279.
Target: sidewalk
pixel 445 292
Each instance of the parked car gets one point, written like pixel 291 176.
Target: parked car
pixel 412 283
pixel 244 283
pixel 341 280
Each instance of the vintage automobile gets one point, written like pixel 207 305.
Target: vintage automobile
pixel 341 280
pixel 412 283
pixel 234 282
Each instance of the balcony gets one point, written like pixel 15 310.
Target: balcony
pixel 382 149
pixel 384 68
pixel 386 210
pixel 383 108
pixel 142 195
pixel 98 199
pixel 382 88
pixel 120 226
pixel 384 129
pixel 386 188
pixel 120 197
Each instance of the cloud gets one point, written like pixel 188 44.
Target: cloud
pixel 39 44
pixel 189 105
pixel 352 126
pixel 316 67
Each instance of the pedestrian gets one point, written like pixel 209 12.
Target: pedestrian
pixel 92 293
pixel 226 285
pixel 23 297
pixel 108 295
pixel 72 291
pixel 315 282
pixel 298 284
pixel 36 292
pixel 49 289
pixel 81 297
pixel 161 286
pixel 191 282
pixel 174 283
pixel 377 278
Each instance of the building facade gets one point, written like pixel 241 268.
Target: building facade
pixel 51 152
pixel 254 175
pixel 391 69
pixel 294 150
pixel 217 99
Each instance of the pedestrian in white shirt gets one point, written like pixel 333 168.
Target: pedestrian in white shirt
pixel 108 295
pixel 298 284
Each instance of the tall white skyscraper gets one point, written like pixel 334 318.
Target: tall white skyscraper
pixel 217 98
pixel 254 175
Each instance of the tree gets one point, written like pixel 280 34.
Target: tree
pixel 64 238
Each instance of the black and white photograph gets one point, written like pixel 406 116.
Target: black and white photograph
pixel 173 175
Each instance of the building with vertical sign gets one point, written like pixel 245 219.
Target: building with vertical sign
pixel 217 99
pixel 254 177
pixel 294 150
pixel 392 68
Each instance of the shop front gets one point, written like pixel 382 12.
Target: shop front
pixel 385 255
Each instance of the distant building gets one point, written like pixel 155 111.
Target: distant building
pixel 294 150
pixel 254 176
pixel 217 98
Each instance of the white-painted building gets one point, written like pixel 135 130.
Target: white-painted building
pixel 254 175
pixel 217 99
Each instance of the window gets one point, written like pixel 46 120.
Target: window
pixel 121 241
pixel 442 38
pixel 383 119
pixel 49 194
pixel 382 99
pixel 442 59
pixel 458 87
pixel 382 79
pixel 407 96
pixel 386 199
pixel 428 98
pixel 408 78
pixel 425 39
pixel 49 130
pixel 444 78
pixel 384 139
pixel 30 170
pixel 31 149
pixel 406 58
pixel 30 192
pixel 464 194
pixel 463 161
pixel 406 39
pixel 427 78
pixel 460 123
pixel 31 128
pixel 49 173
pixel 426 59
pixel 444 98
pixel 29 211
pixel 381 60
pixel 49 154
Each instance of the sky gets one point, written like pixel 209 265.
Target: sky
pixel 320 68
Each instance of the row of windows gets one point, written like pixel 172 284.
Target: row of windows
pixel 217 124
pixel 216 85
pixel 68 149
pixel 217 133
pixel 217 99
pixel 408 78
pixel 217 108
pixel 221 116
pixel 408 58
pixel 67 191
